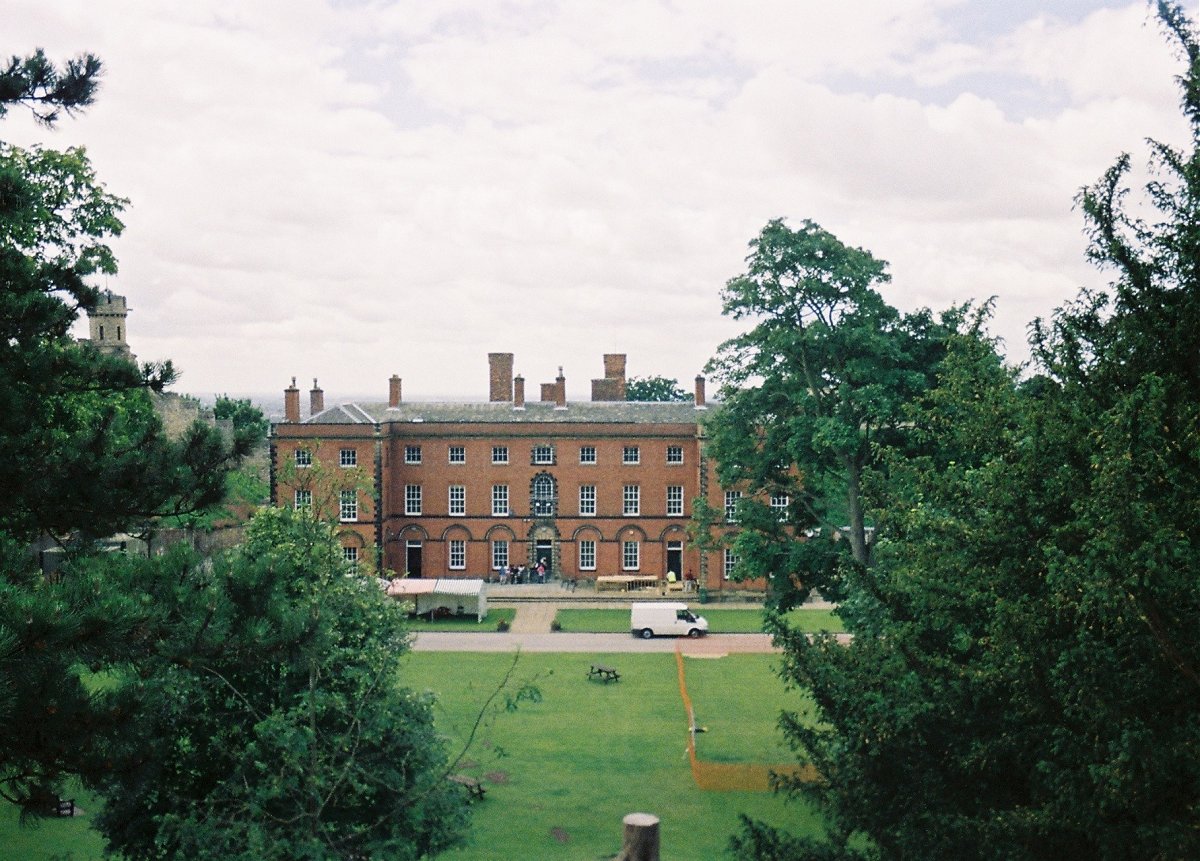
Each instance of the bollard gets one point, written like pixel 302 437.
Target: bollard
pixel 641 838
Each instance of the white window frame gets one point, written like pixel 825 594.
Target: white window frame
pixel 543 455
pixel 674 455
pixel 350 557
pixel 348 506
pixel 631 500
pixel 779 504
pixel 631 556
pixel 457 454
pixel 499 553
pixel 674 500
pixel 458 554
pixel 587 500
pixel 500 506
pixel 457 499
pixel 303 458
pixel 499 454
pixel 631 455
pixel 587 554
pixel 302 499
pixel 412 500
pixel 412 454
pixel 728 563
pixel 347 458
pixel 731 501
pixel 587 454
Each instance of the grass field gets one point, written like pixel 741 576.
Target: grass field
pixel 562 772
pixel 589 753
pixel 720 621
pixel 69 839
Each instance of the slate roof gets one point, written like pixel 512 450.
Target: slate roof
pixel 594 412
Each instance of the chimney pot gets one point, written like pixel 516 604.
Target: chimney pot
pixel 700 403
pixel 560 391
pixel 394 392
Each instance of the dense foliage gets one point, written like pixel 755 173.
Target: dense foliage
pixel 654 388
pixel 248 420
pixel 87 458
pixel 813 395
pixel 1024 672
pixel 268 718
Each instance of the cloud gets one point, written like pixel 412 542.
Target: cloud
pixel 349 190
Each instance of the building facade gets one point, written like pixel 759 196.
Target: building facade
pixel 597 487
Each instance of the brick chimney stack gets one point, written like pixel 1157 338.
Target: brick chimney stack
pixel 700 404
pixel 560 390
pixel 394 392
pixel 500 377
pixel 614 366
pixel 612 386
pixel 518 392
pixel 291 403
pixel 316 399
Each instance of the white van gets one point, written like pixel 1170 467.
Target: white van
pixel 665 617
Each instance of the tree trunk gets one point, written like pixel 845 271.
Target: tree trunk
pixel 858 533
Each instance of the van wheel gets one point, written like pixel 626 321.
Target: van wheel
pixel 647 633
pixel 694 633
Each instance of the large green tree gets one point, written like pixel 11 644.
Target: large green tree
pixel 269 720
pixel 1024 672
pixel 812 395
pixel 87 458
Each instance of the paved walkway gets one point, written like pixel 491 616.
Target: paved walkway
pixel 711 645
pixel 532 618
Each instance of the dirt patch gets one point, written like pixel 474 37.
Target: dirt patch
pixel 560 834
pixel 497 777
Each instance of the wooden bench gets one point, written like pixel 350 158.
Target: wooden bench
pixel 475 789
pixel 603 673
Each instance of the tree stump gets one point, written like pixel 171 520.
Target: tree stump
pixel 641 838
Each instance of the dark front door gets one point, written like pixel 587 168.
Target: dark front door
pixel 412 558
pixel 543 549
pixel 675 558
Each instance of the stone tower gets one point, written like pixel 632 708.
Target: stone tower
pixel 106 325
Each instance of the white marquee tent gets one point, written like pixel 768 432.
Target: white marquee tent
pixel 462 597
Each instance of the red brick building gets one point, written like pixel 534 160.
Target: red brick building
pixel 596 487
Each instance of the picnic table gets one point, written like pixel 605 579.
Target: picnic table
pixel 604 673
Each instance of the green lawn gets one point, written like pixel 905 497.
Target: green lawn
pixel 720 621
pixel 68 839
pixel 457 624
pixel 561 773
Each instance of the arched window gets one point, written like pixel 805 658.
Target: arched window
pixel 543 497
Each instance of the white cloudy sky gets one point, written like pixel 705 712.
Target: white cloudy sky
pixel 348 189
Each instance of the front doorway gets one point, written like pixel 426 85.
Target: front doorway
pixel 675 557
pixel 412 558
pixel 543 548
